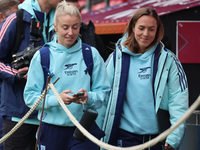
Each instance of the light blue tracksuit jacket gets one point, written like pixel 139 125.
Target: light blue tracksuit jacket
pixel 170 92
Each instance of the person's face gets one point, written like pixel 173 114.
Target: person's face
pixel 67 28
pixel 145 31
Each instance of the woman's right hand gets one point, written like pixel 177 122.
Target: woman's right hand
pixel 68 99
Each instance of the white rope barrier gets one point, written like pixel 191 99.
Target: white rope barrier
pixel 150 143
pixel 24 118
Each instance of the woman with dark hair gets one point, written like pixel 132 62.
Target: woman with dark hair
pixel 149 84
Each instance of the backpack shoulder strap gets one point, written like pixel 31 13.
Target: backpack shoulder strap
pixel 45 62
pixel 20 30
pixel 87 56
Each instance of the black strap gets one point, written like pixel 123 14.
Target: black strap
pixel 20 29
pixel 47 28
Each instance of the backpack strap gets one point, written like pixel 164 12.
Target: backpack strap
pixel 87 56
pixel 45 62
pixel 20 30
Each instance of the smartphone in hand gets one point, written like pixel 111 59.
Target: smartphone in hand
pixel 78 94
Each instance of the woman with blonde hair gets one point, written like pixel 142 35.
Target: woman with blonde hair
pixel 67 63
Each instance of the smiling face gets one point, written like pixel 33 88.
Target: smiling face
pixel 145 31
pixel 67 27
